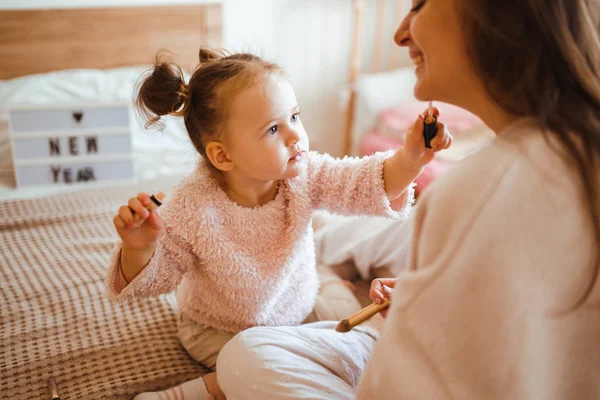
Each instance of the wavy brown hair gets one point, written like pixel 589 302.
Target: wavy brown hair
pixel 541 59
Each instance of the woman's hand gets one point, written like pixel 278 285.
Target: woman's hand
pixel 381 289
pixel 417 155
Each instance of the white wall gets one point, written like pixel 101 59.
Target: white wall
pixel 311 39
pixel 37 4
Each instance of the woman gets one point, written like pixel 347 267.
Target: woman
pixel 501 299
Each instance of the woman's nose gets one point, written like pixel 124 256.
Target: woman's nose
pixel 402 35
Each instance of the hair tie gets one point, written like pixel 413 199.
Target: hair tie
pixel 183 90
pixel 183 94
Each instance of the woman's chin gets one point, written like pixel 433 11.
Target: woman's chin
pixel 420 92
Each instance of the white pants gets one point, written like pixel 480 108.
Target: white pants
pixel 311 361
pixel 369 242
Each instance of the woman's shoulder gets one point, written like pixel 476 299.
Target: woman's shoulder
pixel 522 165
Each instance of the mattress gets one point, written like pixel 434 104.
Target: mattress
pixel 55 318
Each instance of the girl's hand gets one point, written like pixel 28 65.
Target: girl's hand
pixel 140 237
pixel 381 289
pixel 417 155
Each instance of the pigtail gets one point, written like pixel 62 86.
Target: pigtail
pixel 206 54
pixel 162 91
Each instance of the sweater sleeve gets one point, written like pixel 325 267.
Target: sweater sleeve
pixel 352 186
pixel 165 270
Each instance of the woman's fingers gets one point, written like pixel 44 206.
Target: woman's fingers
pixel 389 282
pixel 381 289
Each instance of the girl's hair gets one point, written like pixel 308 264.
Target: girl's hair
pixel 204 101
pixel 546 65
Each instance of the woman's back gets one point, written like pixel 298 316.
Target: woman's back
pixel 503 249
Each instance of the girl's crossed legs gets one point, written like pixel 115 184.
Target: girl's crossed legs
pixel 334 302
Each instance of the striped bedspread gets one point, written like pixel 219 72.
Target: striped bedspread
pixel 55 319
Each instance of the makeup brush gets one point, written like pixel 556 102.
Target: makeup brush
pixel 347 324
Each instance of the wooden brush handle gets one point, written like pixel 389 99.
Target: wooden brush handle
pixel 367 313
pixel 347 324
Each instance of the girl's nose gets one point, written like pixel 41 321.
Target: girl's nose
pixel 292 138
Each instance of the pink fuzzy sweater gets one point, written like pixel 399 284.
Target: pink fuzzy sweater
pixel 242 267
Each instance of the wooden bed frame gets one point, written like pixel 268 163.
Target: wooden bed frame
pixel 37 41
pixel 384 12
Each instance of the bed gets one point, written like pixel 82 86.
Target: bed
pixel 55 318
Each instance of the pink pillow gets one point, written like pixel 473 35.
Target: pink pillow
pixel 393 123
pixel 396 121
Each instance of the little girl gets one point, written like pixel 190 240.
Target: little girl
pixel 236 233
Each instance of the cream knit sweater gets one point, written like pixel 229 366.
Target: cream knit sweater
pixel 502 247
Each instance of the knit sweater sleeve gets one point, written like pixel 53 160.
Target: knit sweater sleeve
pixel 163 273
pixel 352 186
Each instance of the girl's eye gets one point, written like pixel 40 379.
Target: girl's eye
pixel 272 130
pixel 417 7
pixel 295 117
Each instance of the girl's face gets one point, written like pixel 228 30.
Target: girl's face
pixel 264 134
pixel 433 33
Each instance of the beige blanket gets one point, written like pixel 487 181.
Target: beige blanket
pixel 55 319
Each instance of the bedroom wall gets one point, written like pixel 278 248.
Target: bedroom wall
pixel 311 39
pixel 37 4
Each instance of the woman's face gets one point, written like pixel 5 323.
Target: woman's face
pixel 433 33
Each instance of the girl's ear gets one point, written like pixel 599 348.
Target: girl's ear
pixel 219 157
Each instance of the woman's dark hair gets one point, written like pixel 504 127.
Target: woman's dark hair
pixel 541 59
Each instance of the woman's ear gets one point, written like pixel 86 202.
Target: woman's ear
pixel 219 157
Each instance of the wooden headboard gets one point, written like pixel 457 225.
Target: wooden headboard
pixel 36 41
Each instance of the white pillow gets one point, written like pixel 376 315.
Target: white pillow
pixel 386 89
pixel 376 92
pixel 369 242
pixel 155 153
